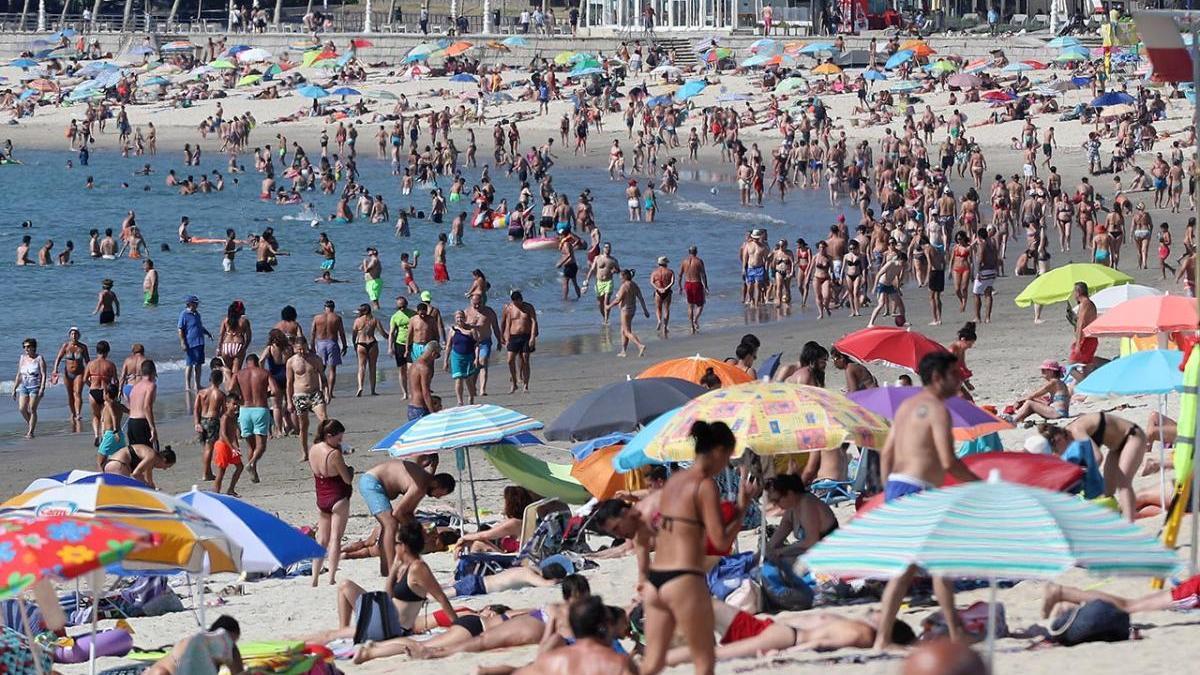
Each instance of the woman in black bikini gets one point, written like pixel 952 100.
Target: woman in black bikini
pixel 805 517
pixel 139 462
pixel 459 632
pixel 1126 443
pixel 366 345
pixel 673 585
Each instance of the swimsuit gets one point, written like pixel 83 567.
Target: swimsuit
pixel 901 485
pixel 694 291
pixel 373 287
pixel 209 429
pixel 254 421
pixel 416 412
pixel 137 429
pixel 603 288
pixel 330 490
pixel 329 352
pixel 306 403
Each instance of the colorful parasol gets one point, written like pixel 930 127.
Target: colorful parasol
pixel 1148 315
pixel 967 419
pixel 693 369
pixel 1058 284
pixel 896 347
pixel 60 548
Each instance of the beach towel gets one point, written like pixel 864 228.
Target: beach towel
pixel 1083 453
pixel 730 572
pixel 17 659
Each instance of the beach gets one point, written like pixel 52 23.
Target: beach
pixel 582 357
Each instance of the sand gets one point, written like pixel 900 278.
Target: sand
pixel 1004 361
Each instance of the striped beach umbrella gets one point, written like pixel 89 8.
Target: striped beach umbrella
pixel 461 427
pixel 267 542
pixel 78 476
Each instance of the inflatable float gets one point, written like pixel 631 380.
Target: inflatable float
pixel 108 643
pixel 540 244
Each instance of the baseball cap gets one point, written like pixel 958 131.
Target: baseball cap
pixel 426 296
pixel 191 300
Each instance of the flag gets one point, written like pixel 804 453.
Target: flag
pixel 1164 46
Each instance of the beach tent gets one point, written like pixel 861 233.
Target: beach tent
pixel 547 479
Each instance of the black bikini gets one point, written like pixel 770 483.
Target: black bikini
pixel 403 592
pixel 1097 436
pixel 659 578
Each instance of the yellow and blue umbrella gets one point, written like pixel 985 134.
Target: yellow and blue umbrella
pixel 1058 284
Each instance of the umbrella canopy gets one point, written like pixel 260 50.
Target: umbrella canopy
pixel 772 418
pixel 827 69
pixel 991 529
pixel 898 59
pixel 896 347
pixel 345 91
pixel 816 47
pixel 254 55
pixel 60 548
pixel 1112 98
pixel 267 542
pixel 249 79
pixel 690 89
pixel 1147 315
pixel 1063 41
pixel 548 479
pixel 1154 371
pixel 464 77
pixel 943 67
pixel 583 450
pixel 43 85
pixel 633 454
pixel 459 47
pixel 563 58
pixel 584 71
pixel 1115 295
pixel 461 427
pixel 621 406
pixel 222 64
pixel 361 43
pixel 177 46
pixel 964 81
pixel 1058 284
pixel 765 46
pixel 312 91
pixel 1075 53
pixel 155 81
pixel 1017 67
pixel 716 54
pixel 693 369
pixel 597 473
pixel 186 539
pixel 76 476
pixel 790 84
pixel 967 419
pixel 515 41
pixel 918 47
pixel 874 75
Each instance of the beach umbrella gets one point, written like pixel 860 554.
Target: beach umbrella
pixel 345 91
pixel 597 473
pixel 43 85
pixel 690 89
pixel 312 91
pixel 816 47
pixel 585 71
pixel 997 96
pixel 186 540
pixel 1074 54
pixel 772 418
pixel 304 45
pixel 964 81
pixel 328 64
pixel 1063 42
pixel 515 41
pixel 361 43
pixel 1154 371
pixel 177 46
pixel 413 58
pixel 826 69
pixel 155 81
pixel 693 368
pixel 459 47
pixel 1058 284
pixel 716 54
pixel 899 58
pixel 621 406
pixel 966 419
pixel 222 64
pixel 23 63
pixel 460 427
pixel 140 50
pixel 1115 295
pixel 83 92
pixel 918 47
pixel 977 66
pixel 765 46
pixel 1109 98
pixel 1017 67
pixel 905 85
pixel 464 77
pixel 77 476
pixel 873 75
pixel 249 79
pixel 1149 315
pixel 254 55
pixel 658 100
pixel 894 347
pixel 633 453
pixel 1036 65
pixel 1069 58
pixel 791 84
pixel 755 60
pixel 943 66
pixel 424 48
pixel 563 58
pixel 267 543
pixel 994 530
pixel 60 548
pixel 584 449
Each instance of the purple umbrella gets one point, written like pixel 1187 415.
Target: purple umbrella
pixel 969 420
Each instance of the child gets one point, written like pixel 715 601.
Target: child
pixel 226 452
pixel 210 404
pixel 112 439
pixel 407 267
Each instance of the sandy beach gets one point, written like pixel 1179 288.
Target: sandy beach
pixel 1004 362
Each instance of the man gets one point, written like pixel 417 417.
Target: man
pixel 591 654
pixel 1184 597
pixel 693 283
pixel 858 377
pixel 408 481
pixel 149 284
pixel 142 428
pixel 754 268
pixel 519 332
pixel 398 341
pixel 305 388
pixel 484 324
pixel 627 298
pixel 329 341
pixel 604 267
pixel 917 455
pixel 206 418
pixel 372 271
pixel 987 267
pixel 435 317
pixel 191 341
pixel 420 381
pixel 421 332
pixel 256 388
pixel 1083 349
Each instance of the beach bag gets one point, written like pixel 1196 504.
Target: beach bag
pixel 729 574
pixel 784 591
pixel 1093 621
pixel 482 564
pixel 746 597
pixel 377 618
pixel 973 619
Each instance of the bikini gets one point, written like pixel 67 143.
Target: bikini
pixel 1097 436
pixel 403 592
pixel 660 521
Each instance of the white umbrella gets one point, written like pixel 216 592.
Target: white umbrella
pixel 254 55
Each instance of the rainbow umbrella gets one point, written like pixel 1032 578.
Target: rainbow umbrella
pixel 60 548
pixel 772 418
pixel 967 419
pixel 716 54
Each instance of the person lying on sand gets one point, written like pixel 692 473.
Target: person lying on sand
pixel 522 576
pixel 204 653
pixel 437 540
pixel 594 628
pixel 1184 597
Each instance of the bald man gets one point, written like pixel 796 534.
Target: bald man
pixel 943 657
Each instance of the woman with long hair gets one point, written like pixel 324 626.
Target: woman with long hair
pixel 366 345
pixel 274 358
pixel 234 337
pixel 505 536
pixel 73 356
pixel 333 482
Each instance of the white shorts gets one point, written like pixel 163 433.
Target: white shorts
pixel 1028 169
pixel 227 264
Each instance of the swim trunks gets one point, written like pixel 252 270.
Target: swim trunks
pixel 694 290
pixel 603 288
pixel 885 289
pixel 416 412
pixel 373 494
pixel 329 352
pixel 440 273
pixel 111 442
pixel 150 298
pixel 400 352
pixel 210 428
pixel 756 274
pixel 374 288
pixel 937 280
pixel 327 265
pixel 984 280
pixel 195 356
pixel 1186 596
pixel 417 350
pixel 745 626
pixel 225 456
pixel 1085 351
pixel 107 316
pixel 227 264
pixel 137 429
pixel 306 403
pixel 519 343
pixel 485 351
pixel 900 485
pixel 254 421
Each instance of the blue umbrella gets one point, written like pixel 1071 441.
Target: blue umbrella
pixel 1016 67
pixel 1150 372
pixel 413 58
pixel 1075 54
pixel 520 438
pixel 874 75
pixel 64 33
pixel 514 41
pixel 461 427
pixel 658 100
pixel 584 72
pixel 267 542
pixel 756 60
pixel 312 91
pixel 633 455
pixel 767 368
pixel 690 89
pixel 77 476
pixel 141 50
pixel 345 91
pixel 815 47
pixel 1063 42
pixel 899 58
pixel 582 451
pixel 464 77
pixel 23 63
pixel 1112 98
pixel 236 49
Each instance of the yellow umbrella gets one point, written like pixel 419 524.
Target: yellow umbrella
pixel 1058 284
pixel 249 79
pixel 773 418
pixel 563 58
pixel 826 69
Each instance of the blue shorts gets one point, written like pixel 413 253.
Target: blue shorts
pixel 373 494
pixel 254 422
pixel 417 350
pixel 901 486
pixel 472 584
pixel 195 355
pixel 485 350
pixel 756 275
pixel 416 412
pixel 327 264
pixel 111 442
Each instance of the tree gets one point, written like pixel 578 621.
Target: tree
pixel 171 16
pixel 24 12
pixel 95 14
pixel 62 18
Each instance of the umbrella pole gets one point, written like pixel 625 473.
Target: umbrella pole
pixel 96 580
pixel 991 626
pixel 34 648
pixel 471 478
pixel 200 596
pixel 462 521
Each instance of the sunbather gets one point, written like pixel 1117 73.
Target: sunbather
pixel 204 653
pixel 592 653
pixel 1185 596
pixel 521 576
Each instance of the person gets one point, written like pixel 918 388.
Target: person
pixel 464 628
pixel 1052 400
pixel 366 346
pixel 693 283
pixel 306 386
pixel 462 359
pixel 206 418
pixel 255 386
pixel 858 377
pixel 604 267
pixel 234 336
pixel 663 281
pixel 628 296
pixel 887 290
pixel 139 462
pixel 917 455
pixel 944 657
pixel 674 588
pixel 1184 597
pixel 404 479
pixel 1083 349
pixel 333 481
pixel 329 342
pixel 99 373
pixel 30 384
pixel 550 573
pixel 505 536
pixel 108 306
pixel 987 268
pixel 226 450
pixel 1127 444
pixel 142 427
pixel 73 356
pixel 420 381
pixel 204 653
pixel 591 654
pixel 485 325
pixel 191 340
pixel 372 271
pixel 149 284
pixel 111 439
pixel 519 332
pixel 398 341
pixel 805 517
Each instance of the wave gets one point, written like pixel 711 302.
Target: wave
pixel 744 216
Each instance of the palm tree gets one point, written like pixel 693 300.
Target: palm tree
pixel 24 12
pixel 95 14
pixel 366 17
pixel 62 18
pixel 171 16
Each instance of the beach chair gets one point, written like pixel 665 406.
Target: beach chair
pixel 533 514
pixel 865 472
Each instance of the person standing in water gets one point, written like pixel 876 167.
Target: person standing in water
pixel 627 298
pixel 693 283
pixel 663 281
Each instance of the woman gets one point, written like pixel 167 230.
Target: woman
pixel 806 518
pixel 504 537
pixel 332 480
pixel 1126 443
pixel 274 359
pixel 852 270
pixel 409 585
pixel 73 354
pixel 366 345
pixel 204 653
pixel 965 340
pixel 139 461
pixel 822 285
pixel 1052 400
pixel 288 323
pixel 462 359
pixel 30 384
pixel 234 337
pixel 960 268
pixel 479 284
pixel 673 586
pixel 460 631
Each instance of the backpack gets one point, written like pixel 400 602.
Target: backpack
pixel 1093 621
pixel 730 572
pixel 377 618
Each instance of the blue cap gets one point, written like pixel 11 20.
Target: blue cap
pixel 191 299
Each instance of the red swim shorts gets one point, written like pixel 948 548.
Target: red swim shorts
pixel 694 290
pixel 225 456
pixel 1085 351
pixel 440 273
pixel 1186 596
pixel 743 627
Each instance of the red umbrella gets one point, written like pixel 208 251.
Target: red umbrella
pixel 997 96
pixel 1037 65
pixel 898 347
pixel 60 548
pixel 360 43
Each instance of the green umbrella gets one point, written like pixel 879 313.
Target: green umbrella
pixel 1058 284
pixel 222 64
pixel 790 84
pixel 943 67
pixel 249 79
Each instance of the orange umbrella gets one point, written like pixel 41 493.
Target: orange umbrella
pixel 1147 315
pixel 919 48
pixel 693 368
pixel 826 69
pixel 597 473
pixel 459 47
pixel 43 85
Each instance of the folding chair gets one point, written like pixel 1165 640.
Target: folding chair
pixel 865 472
